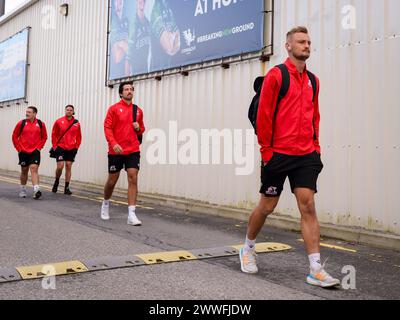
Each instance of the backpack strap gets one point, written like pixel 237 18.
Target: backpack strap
pixel 285 82
pixel 65 132
pixel 135 109
pixel 23 124
pixel 41 128
pixel 313 80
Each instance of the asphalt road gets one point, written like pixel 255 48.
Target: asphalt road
pixel 59 228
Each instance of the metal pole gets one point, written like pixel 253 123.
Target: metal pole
pixel 2 7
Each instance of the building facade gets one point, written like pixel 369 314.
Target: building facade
pixel 355 54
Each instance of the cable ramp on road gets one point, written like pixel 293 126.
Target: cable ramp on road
pixel 110 263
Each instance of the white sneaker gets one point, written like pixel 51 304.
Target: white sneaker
pixel 133 219
pixel 321 278
pixel 105 215
pixel 22 194
pixel 248 261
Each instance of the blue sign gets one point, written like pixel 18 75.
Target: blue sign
pixel 13 55
pixel 153 35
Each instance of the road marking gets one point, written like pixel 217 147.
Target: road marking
pixel 85 198
pixel 109 263
pixel 330 246
pixel 97 199
pixel 125 203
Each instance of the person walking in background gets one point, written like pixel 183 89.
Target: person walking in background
pixel 123 129
pixel 29 138
pixel 66 139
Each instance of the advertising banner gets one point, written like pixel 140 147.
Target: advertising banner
pixel 13 56
pixel 153 35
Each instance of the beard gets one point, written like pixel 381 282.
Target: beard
pixel 302 56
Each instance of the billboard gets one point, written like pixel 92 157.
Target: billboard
pixel 13 66
pixel 153 35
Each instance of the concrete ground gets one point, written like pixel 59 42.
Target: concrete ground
pixel 59 228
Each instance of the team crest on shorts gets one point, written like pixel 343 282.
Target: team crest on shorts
pixel 113 168
pixel 272 191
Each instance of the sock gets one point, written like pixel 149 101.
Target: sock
pixel 66 185
pixel 106 203
pixel 23 188
pixel 315 261
pixel 36 188
pixel 249 244
pixel 132 209
pixel 57 181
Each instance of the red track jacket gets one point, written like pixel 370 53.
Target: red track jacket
pixel 72 139
pixel 118 128
pixel 32 137
pixel 293 128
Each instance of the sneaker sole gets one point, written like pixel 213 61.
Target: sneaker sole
pixel 242 265
pixel 317 283
pixel 135 225
pixel 105 219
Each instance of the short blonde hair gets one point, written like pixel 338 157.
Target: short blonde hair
pixel 299 29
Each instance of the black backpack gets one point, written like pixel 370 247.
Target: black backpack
pixel 23 124
pixel 258 83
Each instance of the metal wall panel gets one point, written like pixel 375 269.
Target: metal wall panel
pixel 360 126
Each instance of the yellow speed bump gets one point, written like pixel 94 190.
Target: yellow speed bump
pixel 51 269
pixel 267 247
pixel 165 257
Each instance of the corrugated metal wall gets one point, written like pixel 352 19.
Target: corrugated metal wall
pixel 360 126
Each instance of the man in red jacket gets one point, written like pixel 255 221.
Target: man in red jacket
pixel 123 130
pixel 66 139
pixel 288 133
pixel 29 137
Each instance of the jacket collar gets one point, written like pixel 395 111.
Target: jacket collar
pixel 125 104
pixel 72 119
pixel 291 66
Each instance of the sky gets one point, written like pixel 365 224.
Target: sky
pixel 12 4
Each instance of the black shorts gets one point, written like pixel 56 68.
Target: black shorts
pixel 303 172
pixel 65 155
pixel 26 159
pixel 116 162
